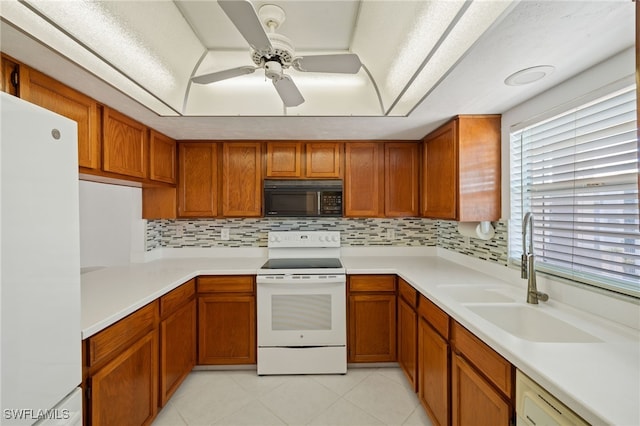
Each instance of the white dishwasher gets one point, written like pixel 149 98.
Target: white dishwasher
pixel 537 407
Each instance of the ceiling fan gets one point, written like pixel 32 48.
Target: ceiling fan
pixel 274 52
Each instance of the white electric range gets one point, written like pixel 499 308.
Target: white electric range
pixel 301 303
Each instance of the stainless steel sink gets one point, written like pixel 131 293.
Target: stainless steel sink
pixel 531 323
pixel 476 294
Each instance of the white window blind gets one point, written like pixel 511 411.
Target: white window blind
pixel 577 173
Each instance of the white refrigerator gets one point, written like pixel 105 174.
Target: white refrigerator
pixel 40 356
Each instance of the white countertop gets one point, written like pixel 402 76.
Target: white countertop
pixel 600 381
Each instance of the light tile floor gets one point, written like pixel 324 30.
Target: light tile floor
pixel 362 397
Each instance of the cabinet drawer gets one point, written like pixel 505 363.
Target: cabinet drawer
pixel 493 366
pixel 408 293
pixel 372 283
pixel 226 284
pixel 435 316
pixel 172 300
pixel 111 340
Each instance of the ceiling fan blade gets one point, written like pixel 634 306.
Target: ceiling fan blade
pixel 244 17
pixel 288 91
pixel 222 75
pixel 348 63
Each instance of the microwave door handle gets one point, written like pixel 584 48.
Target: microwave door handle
pixel 319 201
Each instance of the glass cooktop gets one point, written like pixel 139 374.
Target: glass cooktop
pixel 313 263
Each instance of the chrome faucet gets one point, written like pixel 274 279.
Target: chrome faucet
pixel 527 264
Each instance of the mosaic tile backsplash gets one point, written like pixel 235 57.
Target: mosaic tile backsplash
pixel 416 232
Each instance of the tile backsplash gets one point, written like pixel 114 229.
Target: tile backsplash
pixel 246 232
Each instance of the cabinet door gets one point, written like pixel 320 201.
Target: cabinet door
pixel 198 179
pixel 241 179
pixel 162 158
pixel 433 374
pixel 41 90
pixel 372 328
pixel 401 179
pixel 323 159
pixel 474 400
pixel 407 340
pixel 125 391
pixel 284 159
pixel 479 168
pixel 227 329
pixel 124 145
pixel 177 350
pixel 440 176
pixel 364 177
pixel 9 71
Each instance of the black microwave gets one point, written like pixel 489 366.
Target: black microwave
pixel 299 198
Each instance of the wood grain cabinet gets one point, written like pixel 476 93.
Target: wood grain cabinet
pixel 401 179
pixel 197 179
pixel 434 363
pixel 48 93
pixel 125 145
pixel 242 179
pixel 123 370
pixel 461 162
pixel 408 331
pixel 226 320
pixel 371 318
pixel 323 160
pixel 9 73
pixel 315 160
pixel 364 179
pixel 381 179
pixel 482 382
pixel 284 159
pixel 178 338
pixel 162 158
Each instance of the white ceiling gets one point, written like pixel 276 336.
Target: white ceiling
pixel 569 35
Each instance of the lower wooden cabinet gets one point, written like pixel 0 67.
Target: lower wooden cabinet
pixel 122 370
pixel 482 382
pixel 433 373
pixel 474 400
pixel 371 318
pixel 408 332
pixel 226 320
pixel 178 338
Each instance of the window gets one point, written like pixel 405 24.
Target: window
pixel 577 173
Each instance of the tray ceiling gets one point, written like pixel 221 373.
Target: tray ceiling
pixel 142 55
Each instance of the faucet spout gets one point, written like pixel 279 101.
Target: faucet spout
pixel 527 267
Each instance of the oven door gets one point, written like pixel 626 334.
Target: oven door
pixel 310 313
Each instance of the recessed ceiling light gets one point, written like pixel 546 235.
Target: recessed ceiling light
pixel 528 75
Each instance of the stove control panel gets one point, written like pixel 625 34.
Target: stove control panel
pixel 312 239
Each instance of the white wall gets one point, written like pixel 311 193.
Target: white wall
pixel 616 72
pixel 111 225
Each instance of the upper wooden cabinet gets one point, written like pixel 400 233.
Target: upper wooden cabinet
pixel 39 89
pixel 284 159
pixel 9 72
pixel 197 179
pixel 381 179
pixel 125 145
pixel 401 179
pixel 241 179
pixel 461 178
pixel 162 158
pixel 323 159
pixel 364 179
pixel 304 160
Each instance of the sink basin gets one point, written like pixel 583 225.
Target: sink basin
pixel 475 294
pixel 531 323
